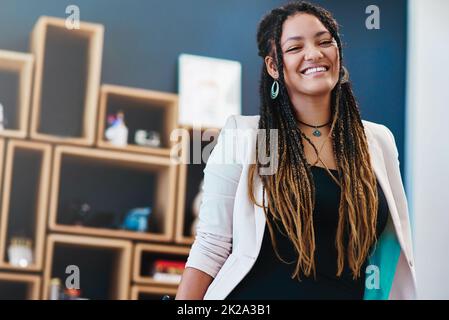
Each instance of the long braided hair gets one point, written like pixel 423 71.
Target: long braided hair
pixel 290 191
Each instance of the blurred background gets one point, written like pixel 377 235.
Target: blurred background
pixel 89 197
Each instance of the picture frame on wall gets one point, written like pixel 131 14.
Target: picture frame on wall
pixel 209 90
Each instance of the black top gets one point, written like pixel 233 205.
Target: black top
pixel 270 278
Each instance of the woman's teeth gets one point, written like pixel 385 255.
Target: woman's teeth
pixel 315 70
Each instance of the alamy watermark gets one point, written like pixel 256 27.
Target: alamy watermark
pixel 372 280
pixel 73 20
pixel 372 22
pixel 74 279
pixel 235 146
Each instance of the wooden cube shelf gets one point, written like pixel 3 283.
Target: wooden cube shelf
pixel 19 286
pixel 143 110
pixel 16 70
pixel 66 81
pixel 190 175
pixel 2 157
pixel 104 265
pixel 139 292
pixel 146 254
pixel 111 183
pixel 24 199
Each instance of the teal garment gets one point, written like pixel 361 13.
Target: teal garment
pixel 382 264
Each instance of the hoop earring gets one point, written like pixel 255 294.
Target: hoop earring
pixel 274 89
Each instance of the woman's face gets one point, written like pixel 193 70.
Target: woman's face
pixel 311 58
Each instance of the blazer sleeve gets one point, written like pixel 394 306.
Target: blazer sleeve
pixel 394 175
pixel 213 241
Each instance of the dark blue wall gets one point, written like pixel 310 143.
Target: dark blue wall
pixel 144 38
pixel 376 60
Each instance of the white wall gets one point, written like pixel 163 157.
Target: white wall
pixel 427 143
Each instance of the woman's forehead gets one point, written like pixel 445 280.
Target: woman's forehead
pixel 302 25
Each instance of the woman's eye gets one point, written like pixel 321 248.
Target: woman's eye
pixel 327 42
pixel 294 49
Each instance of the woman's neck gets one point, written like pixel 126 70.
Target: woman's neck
pixel 313 110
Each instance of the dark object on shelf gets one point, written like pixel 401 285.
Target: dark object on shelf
pixel 79 211
pixel 166 297
pixel 137 219
pixel 83 215
pixel 103 219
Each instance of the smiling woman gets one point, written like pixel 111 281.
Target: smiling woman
pixel 329 215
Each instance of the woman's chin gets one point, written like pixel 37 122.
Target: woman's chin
pixel 316 90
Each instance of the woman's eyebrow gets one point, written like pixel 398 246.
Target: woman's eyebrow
pixel 319 33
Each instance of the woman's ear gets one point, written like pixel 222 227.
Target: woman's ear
pixel 271 67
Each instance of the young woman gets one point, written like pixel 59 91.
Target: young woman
pixel 332 221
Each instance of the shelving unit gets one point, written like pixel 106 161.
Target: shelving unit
pixel 190 175
pixel 143 110
pixel 2 158
pixel 65 96
pixel 69 190
pixel 112 183
pixel 15 91
pixel 146 254
pixel 139 292
pixel 104 264
pixel 24 198
pixel 19 286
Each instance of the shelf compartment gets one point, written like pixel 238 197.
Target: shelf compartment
pixel 112 183
pixel 189 177
pixel 66 81
pixel 16 70
pixel 104 265
pixel 143 110
pixel 146 254
pixel 25 199
pixel 19 286
pixel 139 292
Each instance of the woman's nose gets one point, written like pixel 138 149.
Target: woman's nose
pixel 312 53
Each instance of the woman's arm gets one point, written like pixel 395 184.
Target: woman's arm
pixel 194 285
pixel 213 241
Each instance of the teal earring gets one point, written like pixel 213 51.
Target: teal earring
pixel 274 89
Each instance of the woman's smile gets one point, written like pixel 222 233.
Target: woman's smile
pixel 313 72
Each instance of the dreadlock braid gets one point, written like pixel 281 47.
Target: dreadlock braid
pixel 291 190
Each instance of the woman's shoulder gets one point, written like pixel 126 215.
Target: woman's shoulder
pixel 380 133
pixel 377 129
pixel 242 122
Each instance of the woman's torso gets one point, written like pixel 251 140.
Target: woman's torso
pixel 270 278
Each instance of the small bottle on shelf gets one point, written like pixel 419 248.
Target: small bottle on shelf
pixel 117 133
pixel 55 289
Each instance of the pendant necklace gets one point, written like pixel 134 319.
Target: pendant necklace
pixel 316 132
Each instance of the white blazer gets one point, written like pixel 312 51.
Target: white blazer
pixel 230 229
